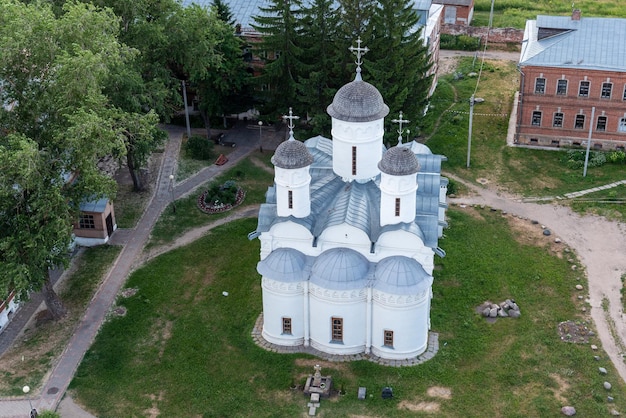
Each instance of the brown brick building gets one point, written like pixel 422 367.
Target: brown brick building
pixel 457 12
pixel 569 66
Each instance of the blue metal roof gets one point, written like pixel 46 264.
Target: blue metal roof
pixel 591 43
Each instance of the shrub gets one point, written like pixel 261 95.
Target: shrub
pixel 199 148
pixel 459 42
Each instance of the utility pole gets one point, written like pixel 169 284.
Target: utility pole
pixel 469 134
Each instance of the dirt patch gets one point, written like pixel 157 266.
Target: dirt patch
pixel 429 407
pixel 439 392
pixel 563 386
pixel 153 411
pixel 301 362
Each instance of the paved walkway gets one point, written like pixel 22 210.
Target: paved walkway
pixel 247 140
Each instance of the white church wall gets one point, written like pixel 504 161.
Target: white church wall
pixel 408 318
pixel 286 235
pixel 297 182
pixel 404 243
pixel 402 187
pixel 282 300
pixel 344 236
pixel 348 305
pixel 367 138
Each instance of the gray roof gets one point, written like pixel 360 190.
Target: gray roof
pixel 454 2
pixel 292 154
pixel 591 43
pixel 358 101
pixel 399 161
pixel 97 206
pixel 340 269
pixel 334 201
pixel 285 265
pixel 401 275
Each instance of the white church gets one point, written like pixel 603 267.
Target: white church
pixel 348 233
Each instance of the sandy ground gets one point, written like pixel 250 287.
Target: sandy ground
pixel 601 247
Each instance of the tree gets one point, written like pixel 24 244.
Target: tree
pixel 223 12
pixel 355 18
pixel 54 125
pixel 206 52
pixel 279 25
pixel 398 61
pixel 317 87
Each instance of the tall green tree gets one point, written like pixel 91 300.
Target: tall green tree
pixel 223 12
pixel 319 84
pixel 279 24
pixel 54 125
pixel 354 23
pixel 398 61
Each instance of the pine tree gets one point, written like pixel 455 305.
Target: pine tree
pixel 223 12
pixel 398 62
pixel 318 86
pixel 279 24
pixel 355 17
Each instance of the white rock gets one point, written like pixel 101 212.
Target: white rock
pixel 579 287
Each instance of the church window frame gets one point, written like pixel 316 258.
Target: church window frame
pixel 397 208
pixel 86 221
pixel 388 338
pixel 290 199
pixel 287 325
pixel 354 161
pixel 336 324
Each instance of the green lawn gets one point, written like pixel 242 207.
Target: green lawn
pixel 526 172
pixel 184 349
pixel 514 13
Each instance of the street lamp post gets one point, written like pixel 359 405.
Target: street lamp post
pixel 172 193
pixel 33 411
pixel 261 136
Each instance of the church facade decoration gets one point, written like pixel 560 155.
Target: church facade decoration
pixel 348 233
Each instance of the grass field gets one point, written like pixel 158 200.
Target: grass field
pixel 183 349
pixel 514 13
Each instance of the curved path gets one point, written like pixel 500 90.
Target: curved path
pixel 601 247
pixel 59 379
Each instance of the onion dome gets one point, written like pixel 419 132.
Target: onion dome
pixel 284 265
pixel 292 154
pixel 400 275
pixel 358 101
pixel 399 161
pixel 340 269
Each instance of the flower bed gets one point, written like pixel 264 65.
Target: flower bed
pixel 219 207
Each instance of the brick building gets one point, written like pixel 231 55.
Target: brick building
pixel 457 12
pixel 569 67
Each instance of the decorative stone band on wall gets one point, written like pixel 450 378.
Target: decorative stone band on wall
pixel 355 295
pixel 400 300
pixel 282 287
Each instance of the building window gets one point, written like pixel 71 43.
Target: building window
pixel 624 96
pixel 580 122
pixel 606 90
pixel 561 87
pixel 86 222
pixel 354 161
pixel 583 89
pixel 540 85
pixel 290 199
pixel 337 331
pixel 557 122
pixel 286 325
pixel 536 121
pixel 622 125
pixel 388 338
pixel 601 125
pixel 397 206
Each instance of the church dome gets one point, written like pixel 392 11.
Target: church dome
pixel 284 265
pixel 399 161
pixel 401 275
pixel 340 269
pixel 358 101
pixel 292 154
